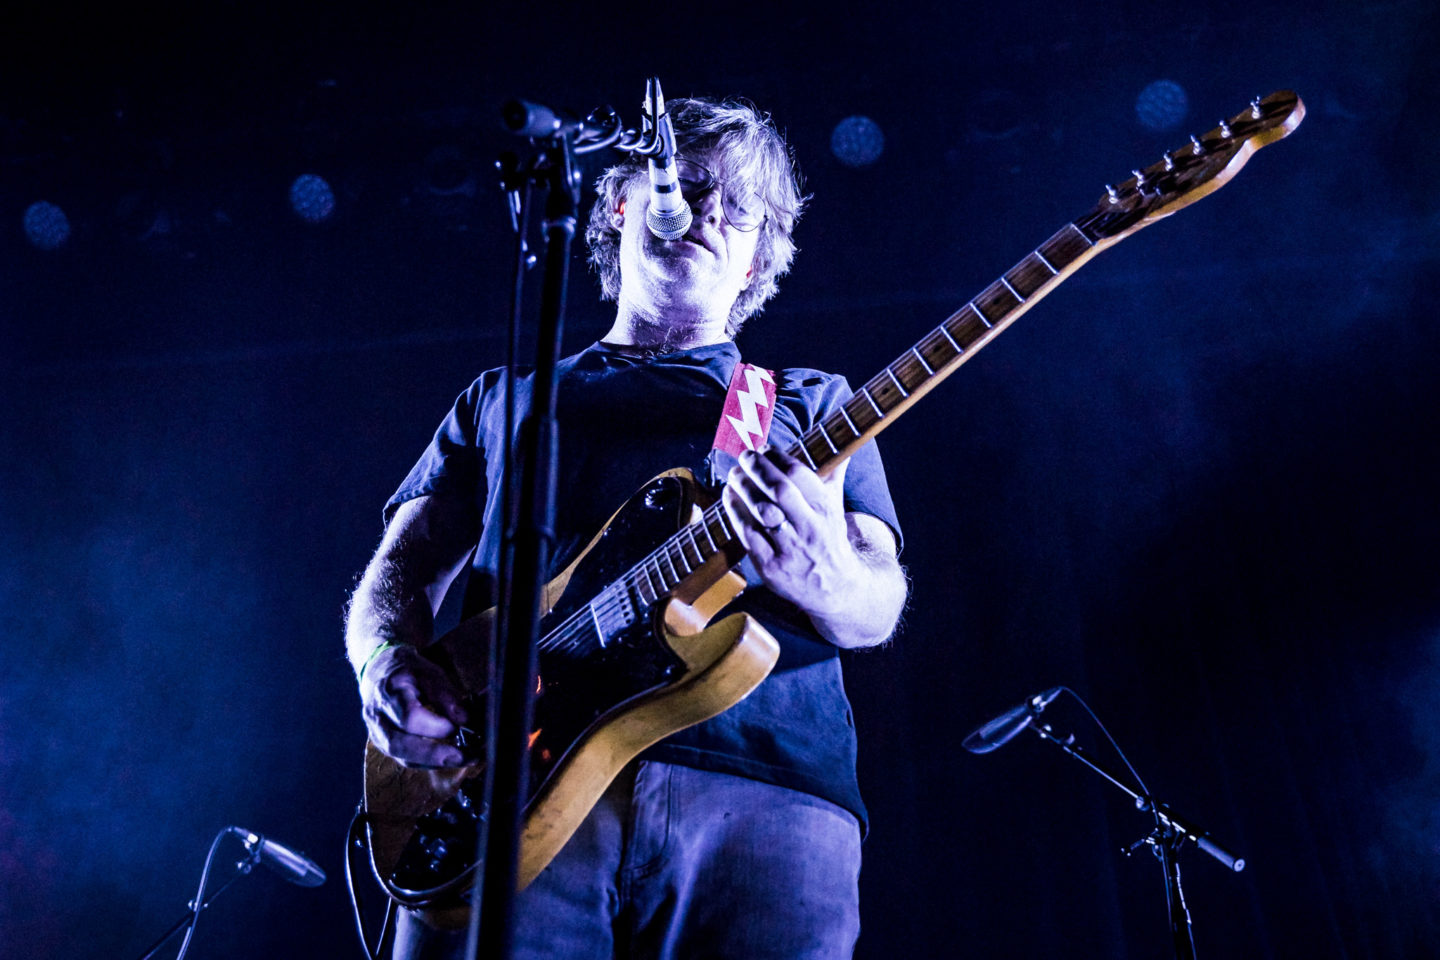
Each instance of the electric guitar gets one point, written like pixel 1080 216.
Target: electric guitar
pixel 627 653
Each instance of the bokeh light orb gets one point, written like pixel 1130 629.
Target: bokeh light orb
pixel 857 141
pixel 46 226
pixel 1162 105
pixel 311 198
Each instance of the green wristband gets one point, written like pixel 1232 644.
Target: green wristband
pixel 387 645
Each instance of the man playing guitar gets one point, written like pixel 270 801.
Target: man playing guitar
pixel 739 836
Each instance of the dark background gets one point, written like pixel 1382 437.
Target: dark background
pixel 1197 484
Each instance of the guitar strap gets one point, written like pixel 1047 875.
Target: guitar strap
pixel 745 418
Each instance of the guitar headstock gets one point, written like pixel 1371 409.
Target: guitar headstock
pixel 1202 166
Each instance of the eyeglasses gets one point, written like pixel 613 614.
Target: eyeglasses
pixel 743 209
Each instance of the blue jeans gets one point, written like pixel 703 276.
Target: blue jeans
pixel 678 863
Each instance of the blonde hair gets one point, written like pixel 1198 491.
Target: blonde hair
pixel 753 152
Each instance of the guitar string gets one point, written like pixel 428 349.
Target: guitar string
pixel 572 629
pixel 570 633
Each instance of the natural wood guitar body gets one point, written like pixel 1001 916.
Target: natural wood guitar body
pixel 596 709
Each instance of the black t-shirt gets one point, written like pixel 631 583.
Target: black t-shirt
pixel 622 419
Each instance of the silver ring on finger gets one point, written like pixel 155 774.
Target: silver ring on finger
pixel 774 509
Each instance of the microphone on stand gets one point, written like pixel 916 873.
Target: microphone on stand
pixel 290 864
pixel 1009 724
pixel 668 215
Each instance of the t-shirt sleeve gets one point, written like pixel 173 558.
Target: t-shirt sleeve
pixel 866 490
pixel 454 462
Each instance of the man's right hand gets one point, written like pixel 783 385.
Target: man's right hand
pixel 412 709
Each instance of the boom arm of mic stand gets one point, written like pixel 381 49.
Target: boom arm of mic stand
pixel 1183 829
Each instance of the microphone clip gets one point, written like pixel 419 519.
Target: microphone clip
pixel 597 130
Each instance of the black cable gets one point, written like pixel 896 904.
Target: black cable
pixel 353 840
pixel 199 904
pixel 1115 746
pixel 1144 790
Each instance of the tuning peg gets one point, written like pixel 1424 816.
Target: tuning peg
pixel 1198 146
pixel 1255 111
pixel 1139 178
pixel 1169 162
pixel 1224 129
pixel 1114 194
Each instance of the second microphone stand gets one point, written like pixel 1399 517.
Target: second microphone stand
pixel 1165 840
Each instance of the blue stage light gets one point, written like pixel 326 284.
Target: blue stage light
pixel 857 141
pixel 46 226
pixel 1162 105
pixel 311 198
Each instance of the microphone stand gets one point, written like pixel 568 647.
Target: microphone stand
pixel 528 490
pixel 551 167
pixel 194 911
pixel 1165 840
pixel 192 914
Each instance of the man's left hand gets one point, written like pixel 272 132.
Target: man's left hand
pixel 792 523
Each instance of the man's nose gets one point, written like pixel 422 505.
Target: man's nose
pixel 706 203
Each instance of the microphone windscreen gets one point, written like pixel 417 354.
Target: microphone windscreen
pixel 671 226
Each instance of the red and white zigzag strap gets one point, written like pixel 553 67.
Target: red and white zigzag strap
pixel 745 419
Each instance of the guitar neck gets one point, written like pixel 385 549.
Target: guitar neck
pixel 902 382
pixel 876 404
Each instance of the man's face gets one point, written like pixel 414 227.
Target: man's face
pixel 705 270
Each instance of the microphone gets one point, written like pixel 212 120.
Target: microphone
pixel 668 216
pixel 526 119
pixel 1008 725
pixel 293 866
